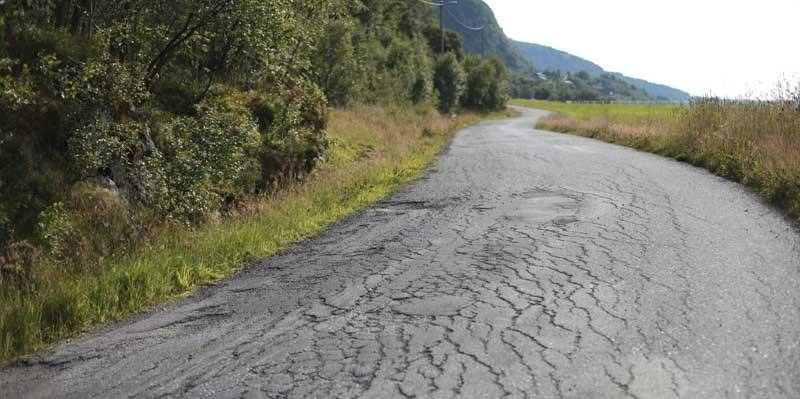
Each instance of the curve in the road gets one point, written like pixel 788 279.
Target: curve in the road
pixel 525 264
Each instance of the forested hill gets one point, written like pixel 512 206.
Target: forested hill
pixel 548 58
pixel 657 90
pixel 527 57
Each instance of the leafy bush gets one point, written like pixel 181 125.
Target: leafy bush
pixel 95 222
pixel 448 79
pixel 486 84
pixel 181 170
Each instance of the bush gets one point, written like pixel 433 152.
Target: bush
pixel 293 138
pixel 486 84
pixel 18 265
pixel 94 222
pixel 448 80
pixel 181 169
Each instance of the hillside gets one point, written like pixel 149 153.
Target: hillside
pixel 492 41
pixel 657 90
pixel 467 15
pixel 525 58
pixel 548 58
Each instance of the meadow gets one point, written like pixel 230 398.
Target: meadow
pixel 756 143
pixel 375 149
pixel 617 113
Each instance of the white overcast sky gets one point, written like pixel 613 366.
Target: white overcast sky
pixel 727 48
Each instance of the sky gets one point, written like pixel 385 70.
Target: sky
pixel 727 48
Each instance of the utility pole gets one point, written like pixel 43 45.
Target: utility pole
pixel 441 4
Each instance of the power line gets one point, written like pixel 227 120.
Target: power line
pixel 442 5
pixel 463 24
pixel 431 4
pixel 481 29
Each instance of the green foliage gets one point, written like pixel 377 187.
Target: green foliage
pixel 392 63
pixel 121 119
pixel 580 86
pixel 448 79
pixel 290 141
pixel 94 222
pixel 335 66
pixel 486 84
pixel 135 93
pixel 550 59
pixel 453 42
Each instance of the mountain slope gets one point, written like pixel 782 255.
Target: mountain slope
pixel 526 57
pixel 492 41
pixel 548 58
pixel 657 90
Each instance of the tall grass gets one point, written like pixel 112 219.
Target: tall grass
pixel 614 113
pixel 375 150
pixel 755 142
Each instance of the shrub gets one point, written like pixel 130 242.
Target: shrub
pixel 18 265
pixel 293 138
pixel 448 79
pixel 487 86
pixel 182 169
pixel 94 222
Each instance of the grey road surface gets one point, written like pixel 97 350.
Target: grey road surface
pixel 525 264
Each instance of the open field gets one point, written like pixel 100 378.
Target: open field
pixel 756 144
pixel 375 150
pixel 616 113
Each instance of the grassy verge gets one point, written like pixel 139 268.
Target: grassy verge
pixel 375 150
pixel 756 144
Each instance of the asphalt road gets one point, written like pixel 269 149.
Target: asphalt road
pixel 525 264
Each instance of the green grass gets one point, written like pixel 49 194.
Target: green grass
pixel 614 113
pixel 375 151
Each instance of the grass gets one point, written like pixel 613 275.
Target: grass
pixel 616 113
pixel 375 150
pixel 755 143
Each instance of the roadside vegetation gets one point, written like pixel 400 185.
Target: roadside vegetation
pixel 639 114
pixel 756 143
pixel 151 146
pixel 580 86
pixel 374 150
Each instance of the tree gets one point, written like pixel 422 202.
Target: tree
pixel 448 80
pixel 334 63
pixel 486 84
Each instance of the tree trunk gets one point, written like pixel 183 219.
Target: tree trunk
pixel 60 13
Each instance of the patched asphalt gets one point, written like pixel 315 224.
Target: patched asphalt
pixel 524 264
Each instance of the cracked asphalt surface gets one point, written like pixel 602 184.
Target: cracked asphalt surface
pixel 524 264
